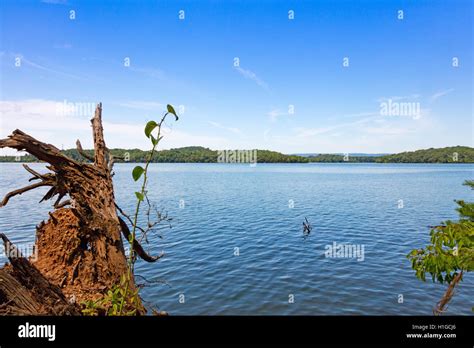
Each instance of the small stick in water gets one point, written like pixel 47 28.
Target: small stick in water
pixel 307 227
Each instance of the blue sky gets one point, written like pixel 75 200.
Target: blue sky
pixel 290 92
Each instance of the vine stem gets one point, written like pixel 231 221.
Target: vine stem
pixel 135 217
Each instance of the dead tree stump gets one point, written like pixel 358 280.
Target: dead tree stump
pixel 80 248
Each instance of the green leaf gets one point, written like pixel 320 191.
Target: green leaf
pixel 155 141
pixel 149 128
pixel 140 196
pixel 137 172
pixel 171 111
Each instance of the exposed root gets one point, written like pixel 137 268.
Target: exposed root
pixel 136 245
pixel 20 191
pixel 63 204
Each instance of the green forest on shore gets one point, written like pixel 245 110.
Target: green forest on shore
pixel 198 154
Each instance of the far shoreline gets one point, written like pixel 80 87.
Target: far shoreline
pixel 257 163
pixel 198 154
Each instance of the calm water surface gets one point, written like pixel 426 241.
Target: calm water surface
pixel 237 206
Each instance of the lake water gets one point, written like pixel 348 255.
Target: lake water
pixel 217 208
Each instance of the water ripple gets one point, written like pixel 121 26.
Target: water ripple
pixel 230 208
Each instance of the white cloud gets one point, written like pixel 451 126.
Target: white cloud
pixel 158 74
pixel 275 113
pixel 387 130
pixel 229 129
pixel 150 72
pixel 440 94
pixel 374 134
pixel 143 105
pixel 55 2
pixel 397 98
pixel 248 74
pixel 356 115
pixel 40 118
pixel 32 64
pixel 310 132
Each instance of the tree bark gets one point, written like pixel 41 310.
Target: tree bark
pixel 25 291
pixel 442 305
pixel 80 248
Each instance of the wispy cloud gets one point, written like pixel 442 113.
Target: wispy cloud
pixel 310 132
pixel 397 98
pixel 229 129
pixel 47 69
pixel 275 113
pixel 142 105
pixel 55 2
pixel 150 72
pixel 357 115
pixel 248 74
pixel 160 75
pixel 40 118
pixel 387 130
pixel 440 94
pixel 65 45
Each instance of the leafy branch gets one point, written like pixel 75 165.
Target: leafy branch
pixel 138 172
pixel 450 253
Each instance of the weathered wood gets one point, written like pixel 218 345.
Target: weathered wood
pixel 82 152
pixel 44 152
pixel 25 291
pixel 79 248
pixel 15 299
pixel 20 191
pixel 100 158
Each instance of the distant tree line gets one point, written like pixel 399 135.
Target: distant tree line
pixel 461 154
pixel 198 154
